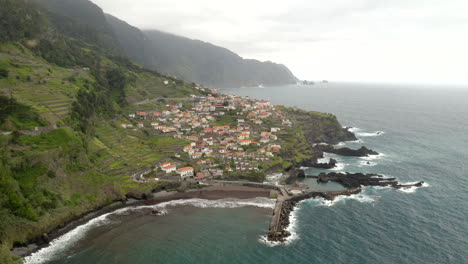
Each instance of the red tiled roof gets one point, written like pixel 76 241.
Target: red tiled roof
pixel 186 169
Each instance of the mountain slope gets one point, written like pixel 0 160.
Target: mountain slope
pixel 63 95
pixel 195 60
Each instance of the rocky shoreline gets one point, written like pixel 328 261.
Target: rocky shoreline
pixel 278 231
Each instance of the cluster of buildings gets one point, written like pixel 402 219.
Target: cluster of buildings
pixel 184 172
pixel 225 131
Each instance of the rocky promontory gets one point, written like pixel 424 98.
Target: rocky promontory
pixel 362 152
pixel 319 165
pixel 355 180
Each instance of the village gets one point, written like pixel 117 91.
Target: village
pixel 225 134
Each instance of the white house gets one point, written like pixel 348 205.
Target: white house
pixel 169 168
pixel 275 129
pixel 186 172
pixel 245 142
pixel 196 155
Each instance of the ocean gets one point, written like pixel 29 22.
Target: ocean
pixel 423 137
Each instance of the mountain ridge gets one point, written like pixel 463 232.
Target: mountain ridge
pixel 196 60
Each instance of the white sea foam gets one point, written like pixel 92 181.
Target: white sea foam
pixel 340 144
pixel 339 166
pixel 374 157
pixel 367 163
pixel 292 229
pixel 370 134
pixel 61 244
pixel 326 157
pixel 362 197
pixel 293 224
pixel 413 188
pixel 353 129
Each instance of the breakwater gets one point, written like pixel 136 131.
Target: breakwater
pixel 285 205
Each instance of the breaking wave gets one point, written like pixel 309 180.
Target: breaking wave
pixel 353 129
pixel 59 245
pixel 370 134
pixel 360 197
pixel 413 188
pixel 373 157
pixel 339 166
pixel 360 132
pixel 292 229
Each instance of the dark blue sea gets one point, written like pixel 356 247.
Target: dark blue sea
pixel 424 137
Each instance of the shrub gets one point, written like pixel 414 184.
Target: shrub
pixel 3 73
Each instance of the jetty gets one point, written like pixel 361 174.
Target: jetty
pixel 285 204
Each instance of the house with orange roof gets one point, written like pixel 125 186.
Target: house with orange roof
pixel 169 168
pixel 186 172
pixel 243 136
pixel 245 142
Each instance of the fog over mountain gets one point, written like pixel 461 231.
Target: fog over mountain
pixel 348 40
pixel 195 60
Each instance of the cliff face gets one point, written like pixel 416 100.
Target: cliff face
pixel 321 127
pixel 195 60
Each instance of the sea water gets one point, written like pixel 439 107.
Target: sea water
pixel 423 136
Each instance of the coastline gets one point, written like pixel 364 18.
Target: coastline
pixel 208 193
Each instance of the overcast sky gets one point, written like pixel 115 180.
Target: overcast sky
pixel 341 40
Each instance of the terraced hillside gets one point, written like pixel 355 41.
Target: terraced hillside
pixel 46 87
pixel 119 152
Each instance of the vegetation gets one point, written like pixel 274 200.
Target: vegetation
pixel 18 116
pixel 3 73
pixel 68 79
pixel 20 20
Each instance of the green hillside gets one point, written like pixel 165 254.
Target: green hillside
pixel 62 97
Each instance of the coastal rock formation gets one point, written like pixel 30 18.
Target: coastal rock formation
pixel 296 173
pixel 355 180
pixel 362 152
pixel 278 230
pixel 327 165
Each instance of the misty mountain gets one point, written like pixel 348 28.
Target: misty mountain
pixel 82 20
pixel 195 60
pixel 187 59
